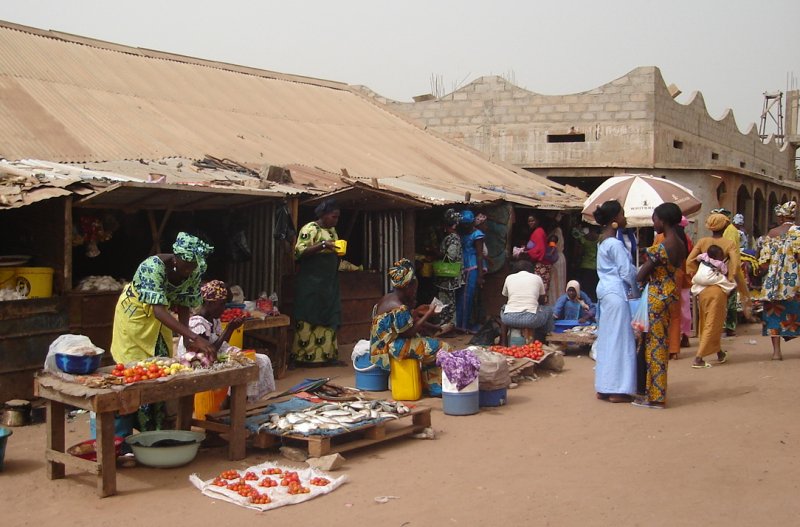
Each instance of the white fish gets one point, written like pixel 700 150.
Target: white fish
pixel 294 418
pixel 305 427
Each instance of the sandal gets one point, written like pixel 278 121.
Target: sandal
pixel 619 398
pixel 644 403
pixel 701 364
pixel 722 357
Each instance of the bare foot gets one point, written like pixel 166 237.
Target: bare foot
pixel 620 398
pixel 776 355
pixel 673 356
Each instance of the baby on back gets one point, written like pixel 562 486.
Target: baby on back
pixel 712 271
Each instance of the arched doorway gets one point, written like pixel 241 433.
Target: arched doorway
pixel 771 204
pixel 743 201
pixel 759 216
pixel 784 198
pixel 721 191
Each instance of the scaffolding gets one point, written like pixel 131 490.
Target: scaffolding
pixel 772 111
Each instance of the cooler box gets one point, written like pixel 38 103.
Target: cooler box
pixel 406 379
pixel 463 402
pixel 370 377
pixel 492 397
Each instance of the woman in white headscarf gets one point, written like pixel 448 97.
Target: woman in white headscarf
pixel 574 304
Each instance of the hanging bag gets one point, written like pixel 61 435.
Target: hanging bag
pixel 443 269
pixel 640 320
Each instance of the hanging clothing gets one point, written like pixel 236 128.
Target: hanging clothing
pixel 317 307
pixel 385 340
pixel 615 347
pixel 450 248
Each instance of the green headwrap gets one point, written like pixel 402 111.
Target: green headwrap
pixel 191 249
pixel 401 273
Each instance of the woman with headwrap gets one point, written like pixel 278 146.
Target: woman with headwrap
pixel 450 250
pixel 558 270
pixel 396 332
pixel 143 324
pixel 472 249
pixel 317 307
pixel 780 288
pixel 712 302
pixel 535 250
pixel 206 323
pixel 574 304
pixel 615 348
pixel 660 271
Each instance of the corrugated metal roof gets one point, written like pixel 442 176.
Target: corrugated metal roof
pixel 73 99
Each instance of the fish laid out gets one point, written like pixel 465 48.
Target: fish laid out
pixel 330 416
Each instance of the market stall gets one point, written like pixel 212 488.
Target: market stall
pixel 106 401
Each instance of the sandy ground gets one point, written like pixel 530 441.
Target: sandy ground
pixel 725 452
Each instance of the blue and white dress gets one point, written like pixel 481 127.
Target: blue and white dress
pixel 615 349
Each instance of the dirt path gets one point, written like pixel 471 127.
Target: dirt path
pixel 724 453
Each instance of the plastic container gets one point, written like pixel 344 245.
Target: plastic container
pixel 492 397
pixel 237 337
pixel 7 275
pixel 184 449
pixel 370 377
pixel 34 282
pixel 208 402
pixel 340 247
pixel 406 379
pixel 460 402
pixel 78 364
pixel 562 325
pixel 87 449
pixel 4 435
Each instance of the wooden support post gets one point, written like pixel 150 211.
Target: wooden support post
pixel 55 437
pixel 409 243
pixel 237 449
pixel 106 455
pixel 183 420
pixel 319 447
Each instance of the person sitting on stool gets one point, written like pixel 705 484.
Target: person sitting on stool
pixel 524 309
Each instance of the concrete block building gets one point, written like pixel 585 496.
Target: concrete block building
pixel 632 124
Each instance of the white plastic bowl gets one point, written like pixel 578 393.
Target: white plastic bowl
pixel 165 456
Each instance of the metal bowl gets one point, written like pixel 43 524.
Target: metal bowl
pixel 165 448
pixel 79 364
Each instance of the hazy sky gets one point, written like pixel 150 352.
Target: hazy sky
pixel 730 50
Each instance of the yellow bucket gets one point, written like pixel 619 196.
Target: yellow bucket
pixel 406 379
pixel 341 247
pixel 7 275
pixel 209 402
pixel 237 337
pixel 34 282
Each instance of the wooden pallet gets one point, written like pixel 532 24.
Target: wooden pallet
pixel 370 434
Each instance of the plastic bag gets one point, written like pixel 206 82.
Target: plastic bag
pixel 640 321
pixel 69 345
pixel 494 373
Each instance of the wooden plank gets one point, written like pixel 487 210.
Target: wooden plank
pixel 106 455
pixel 211 425
pixel 278 321
pixel 237 448
pixel 71 461
pixel 319 446
pixel 185 409
pixel 55 437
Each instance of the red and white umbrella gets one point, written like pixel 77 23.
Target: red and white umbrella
pixel 639 195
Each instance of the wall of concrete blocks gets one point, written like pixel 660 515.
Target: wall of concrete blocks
pixel 632 121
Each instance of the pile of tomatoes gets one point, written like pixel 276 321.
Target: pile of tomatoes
pixel 531 351
pixel 319 482
pixel 267 482
pixel 144 371
pixel 232 313
pixel 234 481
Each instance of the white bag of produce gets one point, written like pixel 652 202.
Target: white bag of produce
pixel 494 373
pixel 69 345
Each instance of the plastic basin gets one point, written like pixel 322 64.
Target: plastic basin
pixel 4 434
pixel 149 453
pixel 79 364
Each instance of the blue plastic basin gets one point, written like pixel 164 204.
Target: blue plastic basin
pixel 4 434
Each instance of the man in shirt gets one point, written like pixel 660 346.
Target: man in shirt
pixel 524 310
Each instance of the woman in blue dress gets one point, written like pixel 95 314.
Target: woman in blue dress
pixel 472 250
pixel 574 304
pixel 615 371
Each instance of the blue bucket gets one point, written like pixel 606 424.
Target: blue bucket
pixel 4 435
pixel 461 403
pixel 492 397
pixel 370 377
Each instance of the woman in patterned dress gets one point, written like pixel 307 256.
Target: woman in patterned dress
pixel 396 333
pixel 780 289
pixel 659 269
pixel 143 325
pixel 317 307
pixel 450 250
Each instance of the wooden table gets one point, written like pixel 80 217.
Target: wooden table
pixel 106 402
pixel 281 324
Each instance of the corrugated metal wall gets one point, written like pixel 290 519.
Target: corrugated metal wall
pixel 258 274
pixel 383 240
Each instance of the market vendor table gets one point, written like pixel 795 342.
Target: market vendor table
pixel 105 402
pixel 280 361
pixel 567 338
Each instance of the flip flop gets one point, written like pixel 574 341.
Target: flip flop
pixel 701 366
pixel 647 404
pixel 723 358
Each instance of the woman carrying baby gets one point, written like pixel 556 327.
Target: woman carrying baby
pixel 712 264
